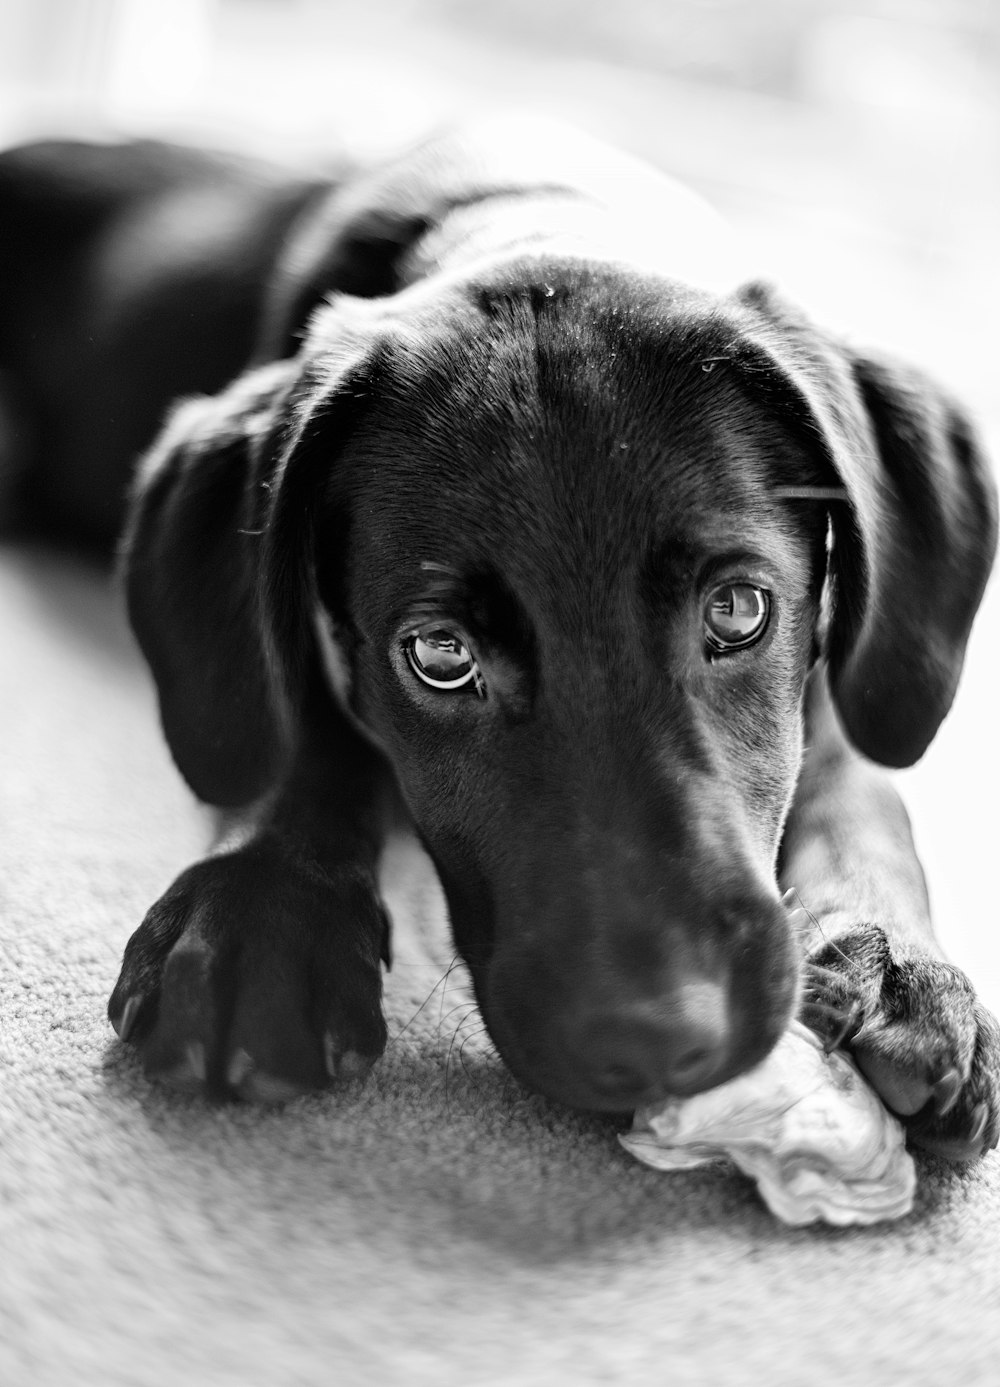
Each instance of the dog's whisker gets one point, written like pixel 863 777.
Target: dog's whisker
pixel 447 1069
pixel 457 1046
pixel 462 1060
pixel 420 970
pixel 477 1033
pixel 466 1007
pixel 455 963
pixel 803 909
pixel 460 1026
pixel 442 981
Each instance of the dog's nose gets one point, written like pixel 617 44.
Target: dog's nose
pixel 634 1053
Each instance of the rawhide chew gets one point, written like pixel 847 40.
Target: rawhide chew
pixel 804 1124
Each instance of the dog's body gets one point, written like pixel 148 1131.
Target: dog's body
pixel 529 525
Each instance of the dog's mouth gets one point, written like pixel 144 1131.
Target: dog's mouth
pixel 627 1077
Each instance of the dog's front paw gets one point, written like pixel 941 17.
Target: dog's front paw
pixel 257 975
pixel 915 1029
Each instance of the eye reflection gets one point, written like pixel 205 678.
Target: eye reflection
pixel 736 615
pixel 441 658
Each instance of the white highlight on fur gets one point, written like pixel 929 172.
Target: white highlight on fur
pixel 335 666
pixel 339 678
pixel 811 493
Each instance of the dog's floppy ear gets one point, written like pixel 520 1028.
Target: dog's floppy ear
pixel 219 588
pixel 933 536
pixel 913 542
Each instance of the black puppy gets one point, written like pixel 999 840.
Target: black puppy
pixel 621 582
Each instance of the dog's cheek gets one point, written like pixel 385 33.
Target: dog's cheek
pixel 451 800
pixel 441 747
pixel 758 731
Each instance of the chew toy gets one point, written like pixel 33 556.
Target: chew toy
pixel 804 1124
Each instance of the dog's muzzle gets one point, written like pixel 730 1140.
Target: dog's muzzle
pixel 604 1038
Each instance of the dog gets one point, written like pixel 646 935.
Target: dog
pixel 489 498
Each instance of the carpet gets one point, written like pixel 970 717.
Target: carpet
pixel 437 1225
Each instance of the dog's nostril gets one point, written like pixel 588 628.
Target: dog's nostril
pixel 620 1078
pixel 640 1050
pixel 691 1061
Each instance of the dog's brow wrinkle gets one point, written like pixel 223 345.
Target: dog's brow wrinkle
pixel 430 567
pixel 811 493
pixel 443 587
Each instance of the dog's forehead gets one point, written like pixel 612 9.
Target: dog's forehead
pixel 586 404
pixel 555 331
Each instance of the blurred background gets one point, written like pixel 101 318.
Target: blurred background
pixel 855 145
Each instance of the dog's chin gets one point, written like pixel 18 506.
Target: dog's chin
pixel 566 1089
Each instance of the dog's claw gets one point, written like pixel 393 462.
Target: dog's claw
pixel 196 1059
pixel 946 1091
pixel 829 1009
pixel 965 1148
pixel 798 916
pixel 261 1087
pixel 353 1065
pixel 256 1085
pixel 798 922
pixel 830 1024
pixel 850 1024
pixel 980 1118
pixel 240 1066
pixel 188 1075
pixel 127 1019
pixel 347 1065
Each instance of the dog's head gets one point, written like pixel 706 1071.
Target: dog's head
pixel 567 533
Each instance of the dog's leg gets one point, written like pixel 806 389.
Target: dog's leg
pixel 875 980
pixel 258 973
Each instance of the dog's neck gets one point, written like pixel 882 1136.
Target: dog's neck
pixel 643 229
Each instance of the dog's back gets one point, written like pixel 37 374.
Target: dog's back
pixel 130 274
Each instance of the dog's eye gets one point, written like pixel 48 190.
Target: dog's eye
pixel 736 615
pixel 442 659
